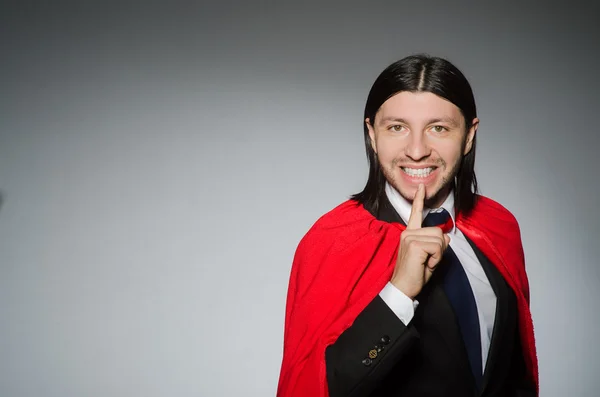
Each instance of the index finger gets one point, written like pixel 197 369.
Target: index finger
pixel 416 213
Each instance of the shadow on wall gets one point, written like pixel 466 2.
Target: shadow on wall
pixel 1 199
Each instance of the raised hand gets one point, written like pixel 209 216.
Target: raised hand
pixel 421 249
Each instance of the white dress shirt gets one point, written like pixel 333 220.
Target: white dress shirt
pixel 404 307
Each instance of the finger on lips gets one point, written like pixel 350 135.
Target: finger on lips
pixel 416 213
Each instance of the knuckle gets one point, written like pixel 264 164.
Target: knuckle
pixel 410 237
pixel 415 243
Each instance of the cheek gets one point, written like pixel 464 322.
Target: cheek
pixel 388 150
pixel 451 152
pixel 386 157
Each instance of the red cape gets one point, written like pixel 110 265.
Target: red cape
pixel 345 260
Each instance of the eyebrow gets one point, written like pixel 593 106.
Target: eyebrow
pixel 448 120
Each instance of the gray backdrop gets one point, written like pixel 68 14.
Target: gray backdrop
pixel 160 163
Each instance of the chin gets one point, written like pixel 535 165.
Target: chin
pixel 408 188
pixel 434 193
pixel 409 193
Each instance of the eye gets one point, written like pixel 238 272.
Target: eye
pixel 438 129
pixel 396 128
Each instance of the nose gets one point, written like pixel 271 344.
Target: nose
pixel 417 147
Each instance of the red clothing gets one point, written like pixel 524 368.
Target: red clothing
pixel 344 261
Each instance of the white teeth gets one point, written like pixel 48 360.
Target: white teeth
pixel 418 172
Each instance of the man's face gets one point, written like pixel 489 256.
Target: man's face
pixel 420 138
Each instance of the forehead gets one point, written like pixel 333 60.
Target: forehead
pixel 418 107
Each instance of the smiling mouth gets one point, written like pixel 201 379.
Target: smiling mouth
pixel 418 172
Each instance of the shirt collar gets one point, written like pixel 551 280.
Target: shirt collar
pixel 403 207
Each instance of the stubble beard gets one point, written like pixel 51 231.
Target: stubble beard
pixel 432 199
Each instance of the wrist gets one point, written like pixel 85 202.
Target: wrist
pixel 408 290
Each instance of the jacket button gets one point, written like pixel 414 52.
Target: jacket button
pixel 367 361
pixel 385 339
pixel 372 353
pixel 379 347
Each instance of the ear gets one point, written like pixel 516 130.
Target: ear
pixel 471 135
pixel 371 134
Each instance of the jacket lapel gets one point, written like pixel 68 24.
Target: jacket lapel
pixel 501 320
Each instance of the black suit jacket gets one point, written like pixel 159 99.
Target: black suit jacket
pixel 427 357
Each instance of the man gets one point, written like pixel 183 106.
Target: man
pixel 416 286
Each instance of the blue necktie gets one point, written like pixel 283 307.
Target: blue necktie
pixel 459 293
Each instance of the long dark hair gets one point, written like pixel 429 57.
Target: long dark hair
pixel 421 73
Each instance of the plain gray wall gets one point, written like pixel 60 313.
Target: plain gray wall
pixel 160 163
